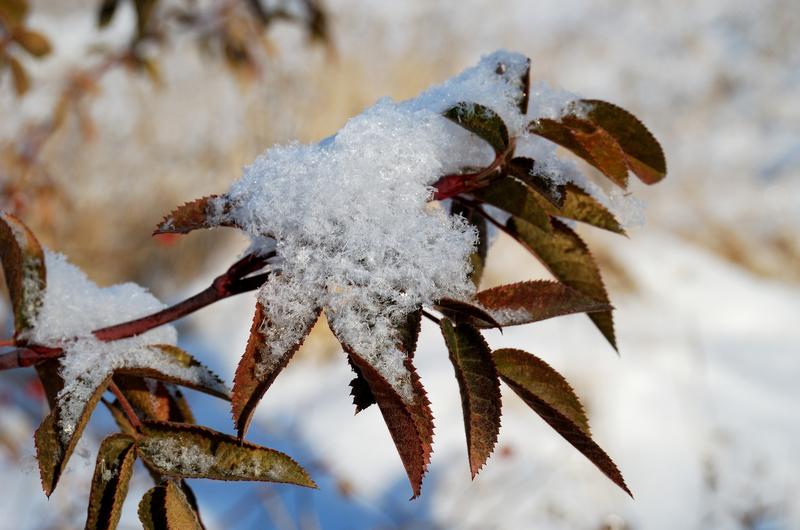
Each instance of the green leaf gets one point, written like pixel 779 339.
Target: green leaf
pixel 531 301
pixel 483 122
pixel 23 265
pixel 166 507
pixel 409 420
pixel 34 42
pixel 112 473
pixel 206 381
pixel 192 451
pixel 524 169
pixel 54 446
pixel 260 365
pixel 480 389
pixel 207 212
pixel 580 206
pixel 478 258
pixel 552 398
pixel 514 197
pixel 567 257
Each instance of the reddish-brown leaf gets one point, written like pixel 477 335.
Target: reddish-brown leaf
pixel 192 451
pixel 54 446
pixel 23 265
pixel 207 212
pixel 608 137
pixel 480 389
pixel 410 422
pixel 459 310
pixel 259 366
pixel 532 301
pixel 642 151
pixel 112 473
pixel 569 260
pixel 552 398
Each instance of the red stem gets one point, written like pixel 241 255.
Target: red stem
pixel 133 418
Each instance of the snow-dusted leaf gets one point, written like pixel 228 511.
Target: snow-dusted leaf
pixel 408 334
pixel 482 121
pixel 54 444
pixel 261 364
pixel 511 195
pixel 552 398
pixel 191 451
pixel 166 507
pixel 478 258
pixel 34 42
pixel 524 169
pixel 112 473
pixel 202 379
pixel 480 389
pixel 459 310
pixel 207 212
pixel 23 265
pixel 532 301
pixel 608 137
pixel 569 260
pixel 409 420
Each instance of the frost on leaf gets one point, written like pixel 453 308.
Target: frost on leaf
pixel 567 257
pixel 483 122
pixel 480 389
pixel 56 437
pixel 24 269
pixel 190 451
pixel 112 473
pixel 532 301
pixel 408 418
pixel 166 507
pixel 552 398
pixel 269 349
pixel 208 212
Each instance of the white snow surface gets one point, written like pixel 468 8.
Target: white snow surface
pixel 73 307
pixel 355 232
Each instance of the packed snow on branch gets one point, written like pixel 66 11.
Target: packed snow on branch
pixel 73 307
pixel 356 232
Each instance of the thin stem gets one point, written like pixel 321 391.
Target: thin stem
pixel 430 317
pixel 136 423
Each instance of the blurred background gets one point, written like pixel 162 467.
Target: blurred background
pixel 699 411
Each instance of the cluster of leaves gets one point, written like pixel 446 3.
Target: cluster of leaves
pixel 607 137
pixel 155 421
pixel 16 37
